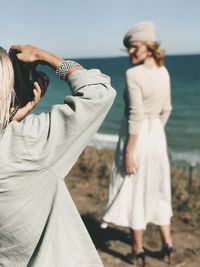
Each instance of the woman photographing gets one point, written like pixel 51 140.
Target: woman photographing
pixel 39 224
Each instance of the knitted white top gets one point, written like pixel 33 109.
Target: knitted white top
pixel 147 95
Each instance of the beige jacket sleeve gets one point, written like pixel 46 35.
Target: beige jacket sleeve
pixel 135 104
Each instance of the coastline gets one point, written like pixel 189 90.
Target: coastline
pixel 88 184
pixel 102 141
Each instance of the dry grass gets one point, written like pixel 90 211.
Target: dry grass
pixel 96 164
pixel 88 183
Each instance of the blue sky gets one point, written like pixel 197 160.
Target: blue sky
pixel 95 28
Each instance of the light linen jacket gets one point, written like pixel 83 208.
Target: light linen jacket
pixel 39 224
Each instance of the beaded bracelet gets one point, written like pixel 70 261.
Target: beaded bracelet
pixel 63 68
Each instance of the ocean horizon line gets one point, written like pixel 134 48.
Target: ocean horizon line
pixel 125 56
pixel 183 128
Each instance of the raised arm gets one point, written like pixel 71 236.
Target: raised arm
pixel 55 140
pixel 29 53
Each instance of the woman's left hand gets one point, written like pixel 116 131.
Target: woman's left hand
pixel 28 53
pixel 22 112
pixel 130 164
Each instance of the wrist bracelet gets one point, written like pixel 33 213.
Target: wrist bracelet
pixel 62 69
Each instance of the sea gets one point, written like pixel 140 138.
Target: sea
pixel 183 127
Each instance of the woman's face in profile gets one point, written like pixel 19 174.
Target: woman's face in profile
pixel 138 52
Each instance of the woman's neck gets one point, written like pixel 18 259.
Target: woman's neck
pixel 150 62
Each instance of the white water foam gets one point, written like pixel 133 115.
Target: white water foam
pixel 104 141
pixel 192 157
pixel 109 141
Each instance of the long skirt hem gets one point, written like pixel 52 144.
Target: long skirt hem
pixel 145 197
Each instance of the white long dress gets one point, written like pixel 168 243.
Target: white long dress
pixel 145 197
pixel 39 223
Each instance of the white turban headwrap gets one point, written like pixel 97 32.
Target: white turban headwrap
pixel 142 31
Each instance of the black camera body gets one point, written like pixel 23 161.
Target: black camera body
pixel 25 75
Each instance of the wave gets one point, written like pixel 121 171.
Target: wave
pixel 109 141
pixel 192 156
pixel 103 141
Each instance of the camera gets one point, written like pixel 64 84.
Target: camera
pixel 25 75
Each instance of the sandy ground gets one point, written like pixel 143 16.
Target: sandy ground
pixel 89 192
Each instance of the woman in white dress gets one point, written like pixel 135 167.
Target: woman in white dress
pixel 139 191
pixel 39 223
